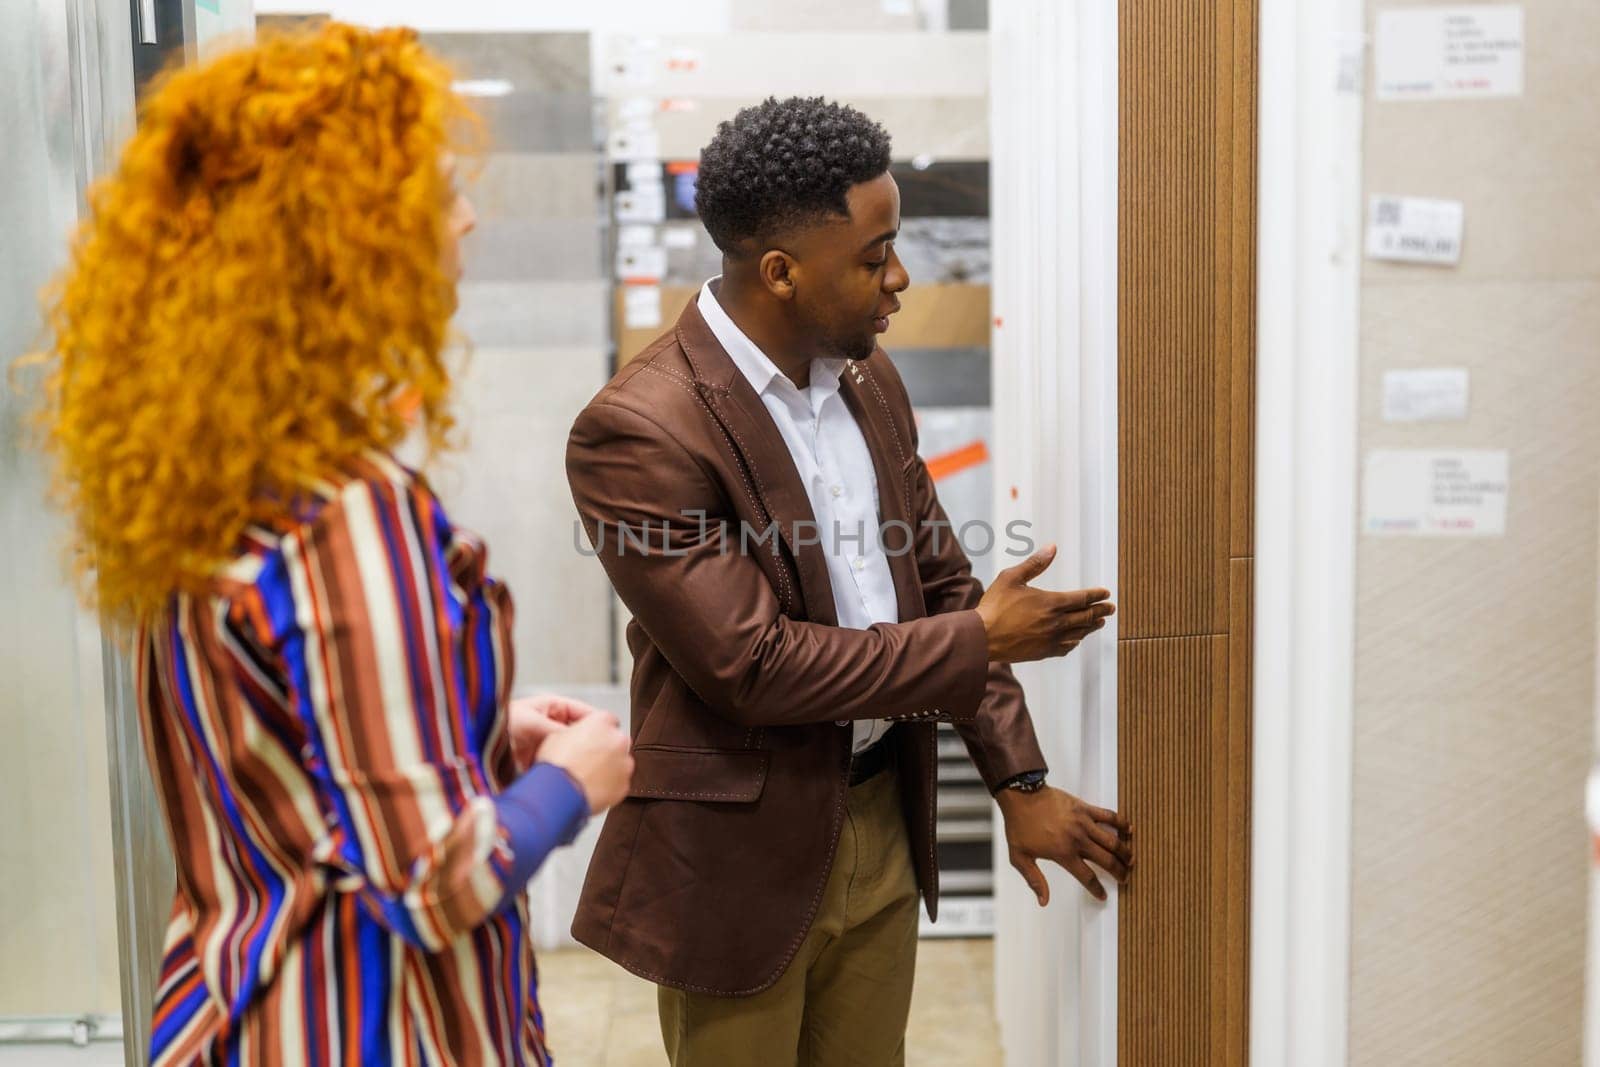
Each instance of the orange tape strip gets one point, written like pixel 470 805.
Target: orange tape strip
pixel 944 465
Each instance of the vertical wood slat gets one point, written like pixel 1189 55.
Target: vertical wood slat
pixel 1242 271
pixel 1186 296
pixel 1235 827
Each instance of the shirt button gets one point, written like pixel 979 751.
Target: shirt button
pixel 835 490
pixel 860 563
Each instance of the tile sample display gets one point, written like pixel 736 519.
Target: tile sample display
pixel 1522 165
pixel 533 308
pixel 536 250
pixel 537 185
pixel 940 127
pixel 840 65
pixel 959 189
pixel 531 62
pixel 1442 711
pixel 553 313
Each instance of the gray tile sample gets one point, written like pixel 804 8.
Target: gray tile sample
pixel 537 185
pixel 944 377
pixel 522 314
pixel 689 263
pixel 540 122
pixel 945 250
pixel 536 250
pixel 943 189
pixel 968 15
pixel 531 62
pixel 508 483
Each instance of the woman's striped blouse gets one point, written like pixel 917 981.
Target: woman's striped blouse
pixel 327 733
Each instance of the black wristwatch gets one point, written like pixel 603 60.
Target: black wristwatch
pixel 1026 782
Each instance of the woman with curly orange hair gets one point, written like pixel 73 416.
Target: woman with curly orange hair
pixel 260 294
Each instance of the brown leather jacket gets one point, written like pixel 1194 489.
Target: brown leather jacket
pixel 707 877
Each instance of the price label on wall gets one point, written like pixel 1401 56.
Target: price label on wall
pixel 1410 229
pixel 1410 492
pixel 1447 53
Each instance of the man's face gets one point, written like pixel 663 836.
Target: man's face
pixel 847 273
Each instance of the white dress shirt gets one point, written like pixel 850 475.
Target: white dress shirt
pixel 836 469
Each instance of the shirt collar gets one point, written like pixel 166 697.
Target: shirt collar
pixel 754 364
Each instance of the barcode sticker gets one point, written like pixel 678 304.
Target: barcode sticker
pixel 1409 229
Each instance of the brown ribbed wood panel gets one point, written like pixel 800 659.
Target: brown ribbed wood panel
pixel 1180 685
pixel 1186 291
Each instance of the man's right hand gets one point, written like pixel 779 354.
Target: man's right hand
pixel 1026 624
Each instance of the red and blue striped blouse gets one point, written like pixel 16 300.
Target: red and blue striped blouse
pixel 328 736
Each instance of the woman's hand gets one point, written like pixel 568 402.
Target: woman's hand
pixel 533 719
pixel 595 752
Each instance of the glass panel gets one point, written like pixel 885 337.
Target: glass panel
pixel 58 931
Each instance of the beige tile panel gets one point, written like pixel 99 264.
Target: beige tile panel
pixel 1430 610
pixel 1524 166
pixel 1469 885
pixel 1475 694
pixel 944 127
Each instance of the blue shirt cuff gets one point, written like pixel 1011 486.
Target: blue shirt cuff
pixel 541 811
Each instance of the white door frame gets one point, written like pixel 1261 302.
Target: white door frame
pixel 1311 85
pixel 1053 109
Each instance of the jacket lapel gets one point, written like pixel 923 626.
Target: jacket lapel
pixel 891 453
pixel 755 437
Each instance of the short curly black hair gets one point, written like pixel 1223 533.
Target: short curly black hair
pixel 783 163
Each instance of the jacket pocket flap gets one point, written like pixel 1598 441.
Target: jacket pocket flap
pixel 729 775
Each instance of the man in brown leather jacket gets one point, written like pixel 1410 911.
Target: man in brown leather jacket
pixel 802 616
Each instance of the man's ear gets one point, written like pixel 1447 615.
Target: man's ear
pixel 776 271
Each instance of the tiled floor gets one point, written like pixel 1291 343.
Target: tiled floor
pixel 599 1015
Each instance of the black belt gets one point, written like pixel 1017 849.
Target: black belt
pixel 876 758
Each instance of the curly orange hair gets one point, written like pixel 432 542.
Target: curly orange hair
pixel 253 291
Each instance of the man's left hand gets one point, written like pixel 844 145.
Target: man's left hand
pixel 1055 825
